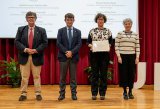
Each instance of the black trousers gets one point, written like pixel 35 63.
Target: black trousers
pixel 64 66
pixel 99 63
pixel 127 70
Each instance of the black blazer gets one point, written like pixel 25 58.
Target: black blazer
pixel 63 44
pixel 40 42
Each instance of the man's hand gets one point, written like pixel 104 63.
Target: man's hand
pixel 34 50
pixel 69 54
pixel 30 51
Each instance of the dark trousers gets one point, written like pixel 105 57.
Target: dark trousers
pixel 99 63
pixel 127 70
pixel 63 73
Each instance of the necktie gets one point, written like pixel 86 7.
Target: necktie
pixel 30 39
pixel 69 37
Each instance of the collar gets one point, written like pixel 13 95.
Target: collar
pixel 31 27
pixel 70 27
pixel 100 29
pixel 127 32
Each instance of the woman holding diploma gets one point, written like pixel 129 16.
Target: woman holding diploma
pixel 127 49
pixel 99 59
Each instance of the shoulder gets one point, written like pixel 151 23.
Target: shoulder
pixel 40 28
pixel 134 33
pixel 77 30
pixel 93 30
pixel 106 29
pixel 61 29
pixel 21 27
pixel 120 33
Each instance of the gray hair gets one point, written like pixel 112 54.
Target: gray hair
pixel 30 13
pixel 127 20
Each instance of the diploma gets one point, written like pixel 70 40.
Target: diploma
pixel 100 46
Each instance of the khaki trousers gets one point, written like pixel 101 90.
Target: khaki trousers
pixel 25 73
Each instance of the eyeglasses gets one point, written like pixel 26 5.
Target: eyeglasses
pixel 30 17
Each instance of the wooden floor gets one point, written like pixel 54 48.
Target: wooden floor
pixel 145 98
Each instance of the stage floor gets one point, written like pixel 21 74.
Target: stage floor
pixel 145 98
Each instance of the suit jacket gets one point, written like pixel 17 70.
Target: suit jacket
pixel 40 42
pixel 63 44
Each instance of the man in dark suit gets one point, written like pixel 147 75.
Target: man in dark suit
pixel 31 41
pixel 69 43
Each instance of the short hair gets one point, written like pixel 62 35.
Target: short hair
pixel 127 20
pixel 100 15
pixel 69 15
pixel 30 13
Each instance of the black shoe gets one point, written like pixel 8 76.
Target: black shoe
pixel 22 98
pixel 74 97
pixel 61 97
pixel 94 97
pixel 102 97
pixel 38 97
pixel 130 95
pixel 125 96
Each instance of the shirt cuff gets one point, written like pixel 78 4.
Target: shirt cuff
pixel 25 50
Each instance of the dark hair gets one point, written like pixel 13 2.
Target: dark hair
pixel 30 13
pixel 69 15
pixel 100 15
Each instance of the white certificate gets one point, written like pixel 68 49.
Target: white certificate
pixel 99 46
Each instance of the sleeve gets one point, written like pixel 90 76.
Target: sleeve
pixel 110 37
pixel 19 45
pixel 89 40
pixel 59 42
pixel 78 44
pixel 117 44
pixel 137 45
pixel 44 42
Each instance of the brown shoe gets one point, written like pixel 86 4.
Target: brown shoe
pixel 38 97
pixel 22 98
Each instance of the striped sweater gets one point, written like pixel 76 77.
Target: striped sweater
pixel 127 43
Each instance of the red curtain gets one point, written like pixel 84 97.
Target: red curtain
pixel 150 49
pixel 149 25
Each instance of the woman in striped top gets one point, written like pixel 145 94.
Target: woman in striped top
pixel 99 60
pixel 128 50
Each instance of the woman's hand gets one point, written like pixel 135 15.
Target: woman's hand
pixel 137 60
pixel 90 46
pixel 119 59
